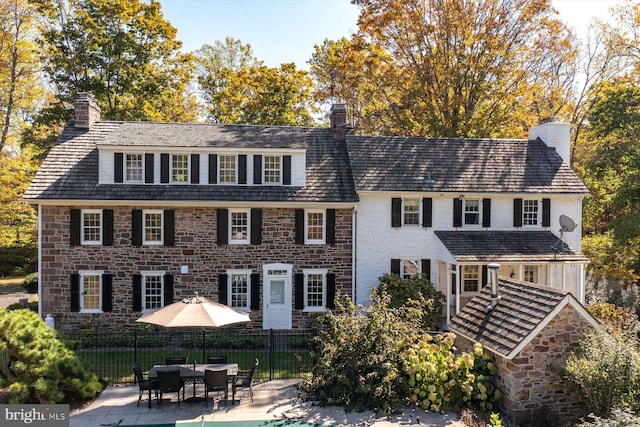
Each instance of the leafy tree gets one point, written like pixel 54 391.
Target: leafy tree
pixel 42 369
pixel 17 218
pixel 19 84
pixel 122 51
pixel 239 89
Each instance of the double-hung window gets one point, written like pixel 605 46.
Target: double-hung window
pixel 91 227
pixel 531 273
pixel 152 290
pixel 179 168
pixel 272 169
pixel 133 168
pixel 314 226
pixel 410 211
pixel 410 268
pixel 153 227
pixel 471 213
pixel 239 222
pixel 239 292
pixel 90 291
pixel 227 169
pixel 470 278
pixel 529 212
pixel 315 289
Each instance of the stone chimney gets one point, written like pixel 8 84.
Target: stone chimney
pixel 556 134
pixel 339 125
pixel 87 111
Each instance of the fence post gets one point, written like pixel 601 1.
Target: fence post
pixel 272 357
pixel 204 339
pixel 135 346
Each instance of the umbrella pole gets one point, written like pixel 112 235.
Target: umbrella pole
pixel 194 398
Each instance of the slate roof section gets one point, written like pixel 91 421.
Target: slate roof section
pixel 70 171
pixel 459 165
pixel 507 246
pixel 523 309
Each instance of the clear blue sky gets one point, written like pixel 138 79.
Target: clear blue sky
pixel 282 31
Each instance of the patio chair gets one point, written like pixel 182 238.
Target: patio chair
pixel 175 360
pixel 215 380
pixel 144 384
pixel 244 380
pixel 217 359
pixel 169 381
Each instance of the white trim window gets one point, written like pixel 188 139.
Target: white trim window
pixel 471 212
pixel 134 168
pixel 272 170
pixel 91 227
pixel 315 289
pixel 410 212
pixel 239 289
pixel 239 226
pixel 152 290
pixel 179 168
pixel 227 169
pixel 530 212
pixel 153 229
pixel 314 226
pixel 410 268
pixel 531 273
pixel 91 291
pixel 470 279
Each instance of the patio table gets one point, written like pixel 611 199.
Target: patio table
pixel 194 372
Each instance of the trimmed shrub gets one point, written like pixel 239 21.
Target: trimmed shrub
pixel 30 283
pixel 41 368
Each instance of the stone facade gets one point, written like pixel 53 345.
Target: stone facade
pixel 195 246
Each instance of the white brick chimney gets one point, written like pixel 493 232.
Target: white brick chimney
pixel 556 134
pixel 87 111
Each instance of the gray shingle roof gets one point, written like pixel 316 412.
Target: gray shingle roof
pixel 455 165
pixel 70 171
pixel 522 309
pixel 507 246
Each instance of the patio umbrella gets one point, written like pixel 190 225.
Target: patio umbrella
pixel 195 312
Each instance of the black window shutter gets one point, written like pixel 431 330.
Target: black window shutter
pixel 396 212
pixel 255 291
pixel 299 291
pixel 118 163
pixel 74 227
pixel 484 275
pixel 242 169
pixel 426 269
pixel 169 227
pixel 257 169
pixel 546 212
pixel 256 226
pixel 107 292
pixel 222 224
pixel 486 212
pixel 148 168
pixel 222 289
pixel 331 290
pixel 137 292
pixel 286 170
pixel 107 227
pixel 164 168
pixel 136 227
pixel 195 168
pixel 517 212
pixel 457 212
pixel 395 266
pixel 168 289
pixel 299 227
pixel 75 292
pixel 330 228
pixel 427 212
pixel 213 168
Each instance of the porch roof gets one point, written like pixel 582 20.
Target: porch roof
pixel 508 246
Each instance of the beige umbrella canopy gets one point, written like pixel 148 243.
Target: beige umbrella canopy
pixel 195 312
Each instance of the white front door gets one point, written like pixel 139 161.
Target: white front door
pixel 277 305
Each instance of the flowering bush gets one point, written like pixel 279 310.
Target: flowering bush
pixel 440 379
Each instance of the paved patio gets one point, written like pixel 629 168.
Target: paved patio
pixel 273 400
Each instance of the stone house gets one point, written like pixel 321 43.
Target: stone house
pixel 530 329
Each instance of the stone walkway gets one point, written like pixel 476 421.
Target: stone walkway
pixel 273 400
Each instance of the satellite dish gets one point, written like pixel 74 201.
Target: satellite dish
pixel 567 224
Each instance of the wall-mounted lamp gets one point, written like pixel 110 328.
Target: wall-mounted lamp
pixel 461 197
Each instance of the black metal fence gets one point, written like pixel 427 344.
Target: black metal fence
pixel 282 353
